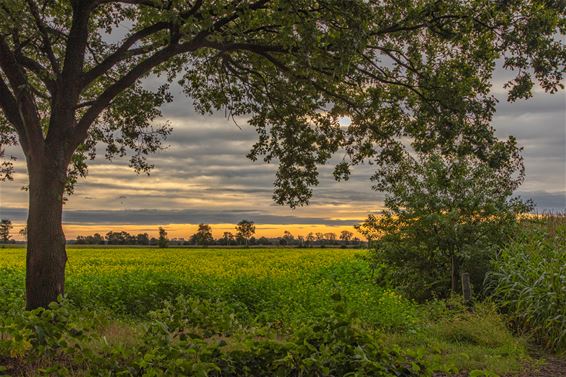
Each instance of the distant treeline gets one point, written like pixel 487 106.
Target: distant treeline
pixel 203 237
pixel 243 236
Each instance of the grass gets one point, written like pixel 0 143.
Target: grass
pixel 244 293
pixel 529 281
pixel 458 339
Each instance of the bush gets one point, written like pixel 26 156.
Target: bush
pixel 194 337
pixel 335 346
pixel 444 214
pixel 528 282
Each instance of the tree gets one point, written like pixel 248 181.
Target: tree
pixel 203 236
pixel 310 238
pixel 331 237
pixel 24 233
pixel 263 241
pixel 142 239
pixel 5 227
pixel 163 240
pixel 115 238
pixel 445 214
pixel 287 238
pixel 71 75
pixel 228 238
pixel 244 230
pixel 346 236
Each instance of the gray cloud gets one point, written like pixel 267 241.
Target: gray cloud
pixel 161 216
pixel 205 175
pixel 549 201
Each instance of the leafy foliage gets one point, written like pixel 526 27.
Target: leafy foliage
pixel 163 240
pixel 245 229
pixel 219 316
pixel 237 312
pixel 444 215
pixel 529 278
pixel 5 228
pixel 203 236
pixel 179 340
pixel 419 70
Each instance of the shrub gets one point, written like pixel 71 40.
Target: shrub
pixel 444 214
pixel 194 337
pixel 335 346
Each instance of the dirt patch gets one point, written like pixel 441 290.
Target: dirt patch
pixel 549 366
pixel 544 366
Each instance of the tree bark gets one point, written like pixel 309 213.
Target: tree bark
pixel 46 254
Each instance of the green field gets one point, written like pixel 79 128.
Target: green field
pixel 120 295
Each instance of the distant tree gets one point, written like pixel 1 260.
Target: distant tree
pixel 445 214
pixel 369 231
pixel 331 237
pixel 320 237
pixel 24 233
pixel 288 237
pixel 228 238
pixel 142 239
pixel 115 238
pixel 310 238
pixel 240 240
pixel 263 241
pixel 244 230
pixel 163 240
pixel 301 240
pixel 97 239
pixel 5 228
pixel 346 236
pixel 203 236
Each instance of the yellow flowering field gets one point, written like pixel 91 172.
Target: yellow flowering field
pixel 162 303
pixel 284 285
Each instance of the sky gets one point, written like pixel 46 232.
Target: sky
pixel 204 177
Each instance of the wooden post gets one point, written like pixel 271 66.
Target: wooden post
pixel 466 288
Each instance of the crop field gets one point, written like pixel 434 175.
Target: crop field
pixel 282 285
pixel 238 295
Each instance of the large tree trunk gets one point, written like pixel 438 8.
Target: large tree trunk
pixel 46 255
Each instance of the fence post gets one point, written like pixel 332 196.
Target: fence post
pixel 466 288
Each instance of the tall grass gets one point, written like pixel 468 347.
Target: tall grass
pixel 529 280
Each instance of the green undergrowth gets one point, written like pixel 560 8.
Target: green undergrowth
pixel 288 312
pixel 454 338
pixel 528 282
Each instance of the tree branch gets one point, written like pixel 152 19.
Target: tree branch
pixel 43 30
pixel 122 52
pixel 76 46
pixel 142 68
pixel 38 69
pixel 9 106
pixel 24 101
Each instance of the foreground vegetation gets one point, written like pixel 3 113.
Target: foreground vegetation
pixel 528 280
pixel 241 312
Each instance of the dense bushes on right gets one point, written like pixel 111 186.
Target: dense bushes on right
pixel 528 281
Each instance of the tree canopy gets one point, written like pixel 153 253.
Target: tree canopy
pixel 444 215
pixel 72 75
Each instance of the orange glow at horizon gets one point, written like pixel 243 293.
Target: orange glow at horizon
pixel 186 230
